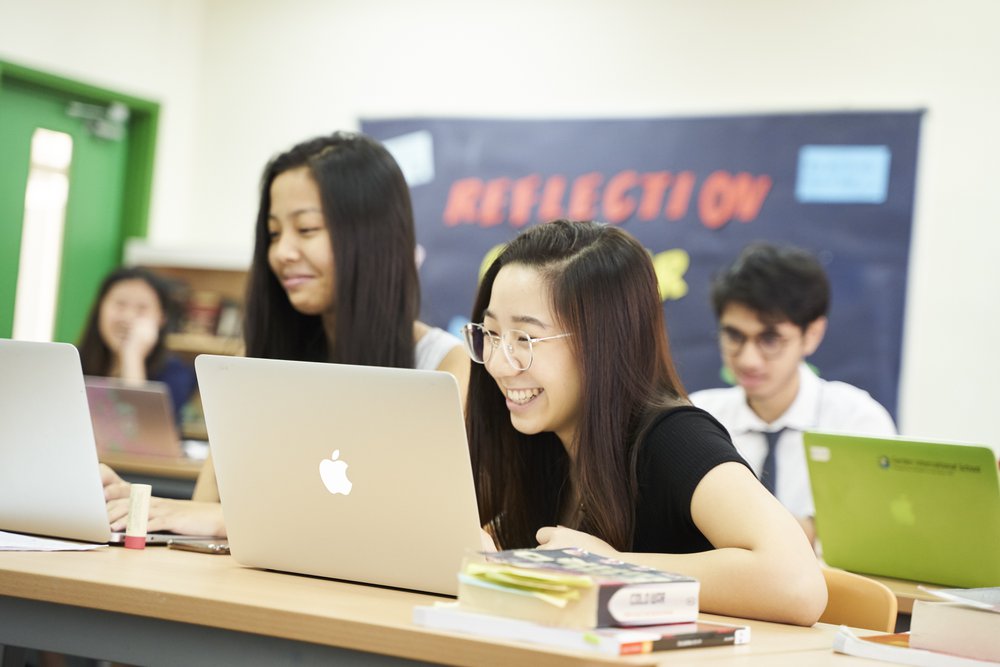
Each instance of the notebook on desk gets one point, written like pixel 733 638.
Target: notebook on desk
pixel 909 509
pixel 132 418
pixel 346 472
pixel 50 483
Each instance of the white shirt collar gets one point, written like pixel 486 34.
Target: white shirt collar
pixel 800 415
pixel 803 413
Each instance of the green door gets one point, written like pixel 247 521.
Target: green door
pixel 99 177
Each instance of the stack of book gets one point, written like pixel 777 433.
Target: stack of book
pixel 569 598
pixel 960 631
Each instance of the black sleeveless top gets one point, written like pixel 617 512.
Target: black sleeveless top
pixel 681 446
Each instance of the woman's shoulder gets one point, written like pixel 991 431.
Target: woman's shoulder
pixel 431 345
pixel 684 418
pixel 422 332
pixel 685 430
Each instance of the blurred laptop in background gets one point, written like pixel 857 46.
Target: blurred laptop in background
pixel 132 418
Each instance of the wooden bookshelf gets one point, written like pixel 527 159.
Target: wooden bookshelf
pixel 219 271
pixel 195 344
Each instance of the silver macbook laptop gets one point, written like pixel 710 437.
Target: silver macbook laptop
pixel 49 478
pixel 132 418
pixel 347 472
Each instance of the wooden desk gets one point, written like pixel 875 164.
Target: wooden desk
pixel 154 466
pixel 164 607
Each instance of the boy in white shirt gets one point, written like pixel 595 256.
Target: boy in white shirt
pixel 771 304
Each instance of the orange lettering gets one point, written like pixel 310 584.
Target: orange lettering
pixel 552 196
pixel 523 197
pixel 680 196
pixel 583 196
pixel 750 195
pixel 462 200
pixel 618 206
pixel 491 212
pixel 717 200
pixel 654 184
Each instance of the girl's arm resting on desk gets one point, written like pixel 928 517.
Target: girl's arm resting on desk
pixel 762 567
pixel 187 517
pixel 165 514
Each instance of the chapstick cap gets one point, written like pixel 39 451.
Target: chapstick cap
pixel 138 516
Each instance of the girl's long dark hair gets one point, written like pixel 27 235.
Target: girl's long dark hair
pixel 95 355
pixel 604 292
pixel 366 206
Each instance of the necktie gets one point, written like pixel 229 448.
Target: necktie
pixel 769 473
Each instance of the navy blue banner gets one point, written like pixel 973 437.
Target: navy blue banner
pixel 694 191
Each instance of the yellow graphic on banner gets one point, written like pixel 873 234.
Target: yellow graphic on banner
pixel 670 267
pixel 491 255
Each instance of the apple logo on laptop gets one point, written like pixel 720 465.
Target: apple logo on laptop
pixel 901 510
pixel 333 472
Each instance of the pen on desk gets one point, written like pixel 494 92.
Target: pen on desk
pixel 138 515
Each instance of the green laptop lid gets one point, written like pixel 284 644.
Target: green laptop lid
pixel 909 509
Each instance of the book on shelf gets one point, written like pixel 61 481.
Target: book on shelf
pixel 612 641
pixel 955 628
pixel 201 312
pixel 897 648
pixel 574 588
pixel 230 321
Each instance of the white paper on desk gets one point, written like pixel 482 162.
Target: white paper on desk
pixel 18 542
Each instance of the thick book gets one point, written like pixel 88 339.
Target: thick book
pixel 980 598
pixel 955 628
pixel 896 648
pixel 612 641
pixel 574 588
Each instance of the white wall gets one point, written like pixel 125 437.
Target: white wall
pixel 150 49
pixel 260 75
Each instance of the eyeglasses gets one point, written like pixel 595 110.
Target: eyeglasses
pixel 769 343
pixel 517 345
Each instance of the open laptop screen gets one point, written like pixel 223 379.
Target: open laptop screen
pixel 132 418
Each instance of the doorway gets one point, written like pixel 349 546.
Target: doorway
pixel 93 195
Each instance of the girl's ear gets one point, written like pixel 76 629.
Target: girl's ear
pixel 814 334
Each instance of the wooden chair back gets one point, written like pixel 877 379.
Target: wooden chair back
pixel 858 601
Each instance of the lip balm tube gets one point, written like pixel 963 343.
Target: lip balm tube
pixel 138 516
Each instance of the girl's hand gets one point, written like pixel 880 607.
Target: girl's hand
pixel 560 537
pixel 141 337
pixel 114 486
pixel 174 516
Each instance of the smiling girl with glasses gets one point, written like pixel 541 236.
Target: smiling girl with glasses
pixel 582 435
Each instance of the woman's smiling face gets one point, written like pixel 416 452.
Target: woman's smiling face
pixel 546 396
pixel 301 254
